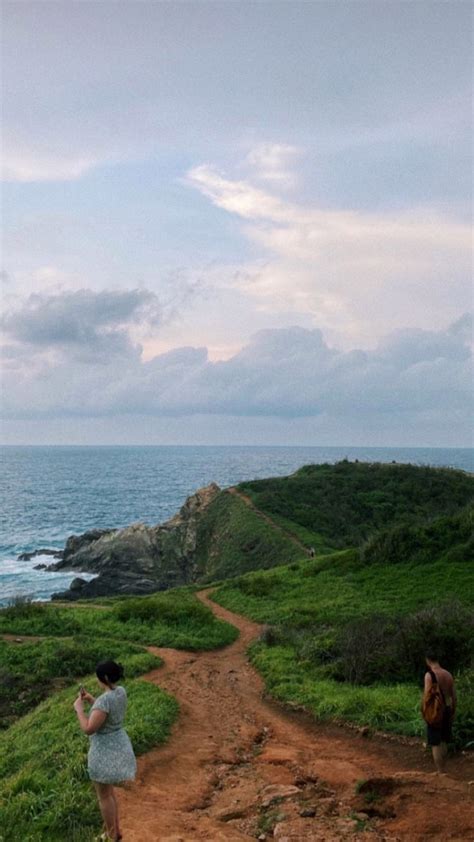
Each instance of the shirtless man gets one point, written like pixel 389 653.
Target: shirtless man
pixel 439 737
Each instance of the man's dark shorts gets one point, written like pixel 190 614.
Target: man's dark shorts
pixel 436 736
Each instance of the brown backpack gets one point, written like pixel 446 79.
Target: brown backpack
pixel 433 705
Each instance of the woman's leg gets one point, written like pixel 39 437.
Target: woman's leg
pixel 118 832
pixel 107 804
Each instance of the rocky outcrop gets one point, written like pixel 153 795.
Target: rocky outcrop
pixel 139 559
pixel 35 553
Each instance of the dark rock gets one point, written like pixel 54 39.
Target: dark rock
pixel 139 559
pixel 78 546
pixel 77 583
pixel 34 553
pixel 104 585
pixel 308 813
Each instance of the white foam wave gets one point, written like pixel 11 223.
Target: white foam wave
pixel 19 578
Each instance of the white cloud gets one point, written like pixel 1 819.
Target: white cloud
pixel 76 357
pixel 34 166
pixel 357 272
pixel 273 162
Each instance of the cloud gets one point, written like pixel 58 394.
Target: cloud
pixel 412 377
pixel 34 166
pixel 273 162
pixel 349 269
pixel 93 324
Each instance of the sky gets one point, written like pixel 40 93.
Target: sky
pixel 237 222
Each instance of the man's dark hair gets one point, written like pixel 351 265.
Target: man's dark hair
pixel 109 672
pixel 431 655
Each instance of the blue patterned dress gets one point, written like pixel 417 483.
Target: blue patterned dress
pixel 111 759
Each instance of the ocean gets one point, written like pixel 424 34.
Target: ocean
pixel 49 493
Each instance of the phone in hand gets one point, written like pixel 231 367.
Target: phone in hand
pixel 82 690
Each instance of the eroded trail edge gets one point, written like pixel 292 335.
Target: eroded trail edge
pixel 237 767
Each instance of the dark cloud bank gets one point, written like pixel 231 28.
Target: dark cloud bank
pixel 71 354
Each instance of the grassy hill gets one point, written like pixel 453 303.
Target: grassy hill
pixel 345 637
pixel 338 506
pixel 233 539
pixel 348 631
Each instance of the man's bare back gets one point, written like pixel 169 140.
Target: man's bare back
pixel 438 737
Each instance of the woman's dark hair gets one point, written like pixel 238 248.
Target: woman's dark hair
pixel 109 672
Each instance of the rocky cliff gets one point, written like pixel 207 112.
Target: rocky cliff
pixel 139 559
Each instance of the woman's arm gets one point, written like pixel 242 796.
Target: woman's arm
pixel 89 725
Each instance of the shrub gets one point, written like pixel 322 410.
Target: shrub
pixel 346 502
pixel 163 609
pixel 22 608
pixel 257 584
pixel 422 542
pixel 368 651
pixel 463 729
pixel 381 649
pixel 28 673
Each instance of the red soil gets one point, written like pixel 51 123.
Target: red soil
pixel 239 767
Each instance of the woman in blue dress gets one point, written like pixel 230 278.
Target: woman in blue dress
pixel 111 759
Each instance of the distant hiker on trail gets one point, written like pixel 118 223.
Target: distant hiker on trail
pixel 111 759
pixel 438 708
pixel 312 552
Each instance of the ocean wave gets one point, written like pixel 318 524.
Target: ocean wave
pixel 19 578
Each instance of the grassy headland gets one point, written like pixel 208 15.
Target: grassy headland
pixel 345 637
pixel 233 539
pixel 348 630
pixel 338 506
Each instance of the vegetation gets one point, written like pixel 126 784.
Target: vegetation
pixel 346 636
pixel 342 505
pixel 30 671
pixel 233 539
pixel 174 618
pixel 348 631
pixel 449 538
pixel 45 792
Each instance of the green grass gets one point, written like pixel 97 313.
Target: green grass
pixel 233 539
pixel 307 537
pixel 448 538
pixel 394 708
pixel 344 504
pixel 347 637
pixel 336 588
pixel 30 671
pixel 45 792
pixel 173 619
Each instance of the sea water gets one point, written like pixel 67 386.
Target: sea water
pixel 49 493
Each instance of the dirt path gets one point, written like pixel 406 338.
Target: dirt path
pixel 238 767
pixel 286 532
